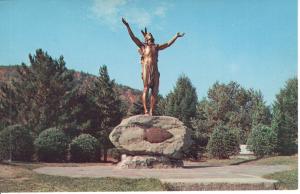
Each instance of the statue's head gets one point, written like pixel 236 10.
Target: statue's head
pixel 148 36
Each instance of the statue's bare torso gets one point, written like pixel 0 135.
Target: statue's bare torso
pixel 149 59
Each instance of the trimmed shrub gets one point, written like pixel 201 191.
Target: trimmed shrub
pixel 262 141
pixel 85 148
pixel 19 141
pixel 52 145
pixel 223 143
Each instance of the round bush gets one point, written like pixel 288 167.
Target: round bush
pixel 52 145
pixel 262 141
pixel 85 148
pixel 224 142
pixel 19 141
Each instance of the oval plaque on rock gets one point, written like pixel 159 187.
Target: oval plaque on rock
pixel 156 135
pixel 151 135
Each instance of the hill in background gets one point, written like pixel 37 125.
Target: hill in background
pixel 127 94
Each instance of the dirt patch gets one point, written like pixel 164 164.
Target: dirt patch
pixel 11 172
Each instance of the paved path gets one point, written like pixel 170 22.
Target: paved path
pixel 180 177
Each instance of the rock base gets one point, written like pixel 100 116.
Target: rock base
pixel 144 135
pixel 134 162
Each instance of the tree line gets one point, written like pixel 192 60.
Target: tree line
pixel 46 95
pixel 244 111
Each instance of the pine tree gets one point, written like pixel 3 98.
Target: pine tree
pixel 181 102
pixel 80 115
pixel 40 91
pixel 160 106
pixel 200 133
pixel 108 105
pixel 285 118
pixel 260 113
pixel 136 108
pixel 8 105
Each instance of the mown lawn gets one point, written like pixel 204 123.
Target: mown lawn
pixel 279 160
pixel 20 179
pixel 287 180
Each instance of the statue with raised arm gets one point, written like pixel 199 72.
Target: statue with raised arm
pixel 149 57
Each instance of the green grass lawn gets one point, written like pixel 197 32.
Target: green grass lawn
pixel 279 160
pixel 19 177
pixel 287 180
pixel 22 179
pixel 45 183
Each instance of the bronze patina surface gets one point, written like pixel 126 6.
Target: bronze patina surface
pixel 149 57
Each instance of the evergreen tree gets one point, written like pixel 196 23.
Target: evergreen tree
pixel 223 143
pixel 260 113
pixel 285 118
pixel 136 108
pixel 160 106
pixel 200 133
pixel 108 105
pixel 81 114
pixel 40 91
pixel 262 140
pixel 8 105
pixel 181 102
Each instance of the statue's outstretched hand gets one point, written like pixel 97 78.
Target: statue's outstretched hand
pixel 124 22
pixel 180 34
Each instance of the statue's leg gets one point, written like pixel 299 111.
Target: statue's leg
pixel 145 77
pixel 144 98
pixel 154 93
pixel 152 103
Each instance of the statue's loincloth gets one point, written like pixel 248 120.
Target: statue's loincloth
pixel 150 75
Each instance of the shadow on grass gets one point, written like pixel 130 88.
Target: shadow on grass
pixel 214 164
pixel 200 166
pixel 244 161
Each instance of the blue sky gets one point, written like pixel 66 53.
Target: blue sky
pixel 253 42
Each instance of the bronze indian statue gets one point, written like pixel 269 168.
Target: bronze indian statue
pixel 149 57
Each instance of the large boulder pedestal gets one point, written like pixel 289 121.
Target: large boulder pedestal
pixel 151 141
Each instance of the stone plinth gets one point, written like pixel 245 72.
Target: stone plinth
pixel 151 139
pixel 148 162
